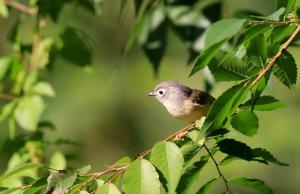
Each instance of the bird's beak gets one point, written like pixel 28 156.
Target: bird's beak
pixel 151 94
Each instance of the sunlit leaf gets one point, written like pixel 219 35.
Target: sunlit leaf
pixel 245 122
pixel 58 161
pixel 141 178
pixel 43 88
pixel 167 157
pixel 256 184
pixel 264 103
pixel 84 169
pixel 108 189
pixel 207 187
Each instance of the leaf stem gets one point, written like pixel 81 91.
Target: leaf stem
pixel 278 54
pixel 21 7
pixel 219 171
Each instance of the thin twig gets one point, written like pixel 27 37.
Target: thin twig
pixel 275 58
pixel 296 21
pixel 7 97
pixel 21 7
pixel 219 171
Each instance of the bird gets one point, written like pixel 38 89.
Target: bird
pixel 181 101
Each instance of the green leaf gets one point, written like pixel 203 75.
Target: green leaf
pixel 4 66
pixel 28 111
pixel 20 168
pixel 74 38
pixel 167 157
pixel 281 33
pixel 52 8
pixel 7 110
pixel 207 187
pixel 229 68
pixel 91 5
pixel 266 156
pixel 37 186
pixel 108 189
pixel 190 180
pixel 285 69
pixel 288 4
pixel 235 148
pixel 3 9
pixel 206 56
pixel 228 159
pixel 256 184
pixel 274 16
pixel 41 51
pixel 252 32
pixel 84 169
pixel 43 88
pixel 141 178
pixel 221 30
pixel 246 122
pixel 263 103
pixel 58 161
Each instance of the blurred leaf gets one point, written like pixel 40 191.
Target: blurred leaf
pixel 274 16
pixel 11 190
pixel 190 180
pixel 28 111
pixel 73 38
pixel 44 124
pixel 53 7
pixel 13 35
pixel 141 178
pixel 206 56
pixel 221 30
pixel 108 189
pixel 37 186
pixel 40 53
pixel 4 66
pixel 228 159
pixel 155 43
pixel 43 88
pixel 3 9
pixel 264 103
pixel 91 5
pixel 18 169
pixel 213 11
pixel 181 2
pixel 7 110
pixel 207 187
pixel 246 122
pixel 30 80
pixel 83 170
pixel 235 148
pixel 58 161
pixel 256 184
pixel 229 68
pixel 167 157
pixel 27 180
pixel 285 69
pixel 260 153
pixel 280 33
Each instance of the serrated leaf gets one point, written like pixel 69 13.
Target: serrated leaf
pixel 83 170
pixel 285 69
pixel 235 148
pixel 264 103
pixel 221 30
pixel 206 56
pixel 260 153
pixel 274 16
pixel 246 122
pixel 189 182
pixel 207 187
pixel 141 178
pixel 20 168
pixel 108 189
pixel 28 111
pixel 43 88
pixel 256 184
pixel 167 157
pixel 229 68
pixel 74 38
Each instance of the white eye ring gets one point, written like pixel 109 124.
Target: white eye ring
pixel 161 92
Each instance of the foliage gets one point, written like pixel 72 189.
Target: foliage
pixel 244 50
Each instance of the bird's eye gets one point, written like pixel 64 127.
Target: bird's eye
pixel 161 92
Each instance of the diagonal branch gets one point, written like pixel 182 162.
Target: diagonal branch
pixel 21 7
pixel 278 54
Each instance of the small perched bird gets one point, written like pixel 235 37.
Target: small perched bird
pixel 181 101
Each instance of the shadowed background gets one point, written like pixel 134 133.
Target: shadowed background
pixel 106 108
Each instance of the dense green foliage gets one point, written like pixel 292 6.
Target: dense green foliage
pixel 244 51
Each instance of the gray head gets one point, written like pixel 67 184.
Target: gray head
pixel 170 91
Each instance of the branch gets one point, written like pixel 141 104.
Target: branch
pixel 219 171
pixel 21 7
pixel 7 97
pixel 296 21
pixel 279 53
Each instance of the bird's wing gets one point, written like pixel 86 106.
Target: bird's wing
pixel 201 98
